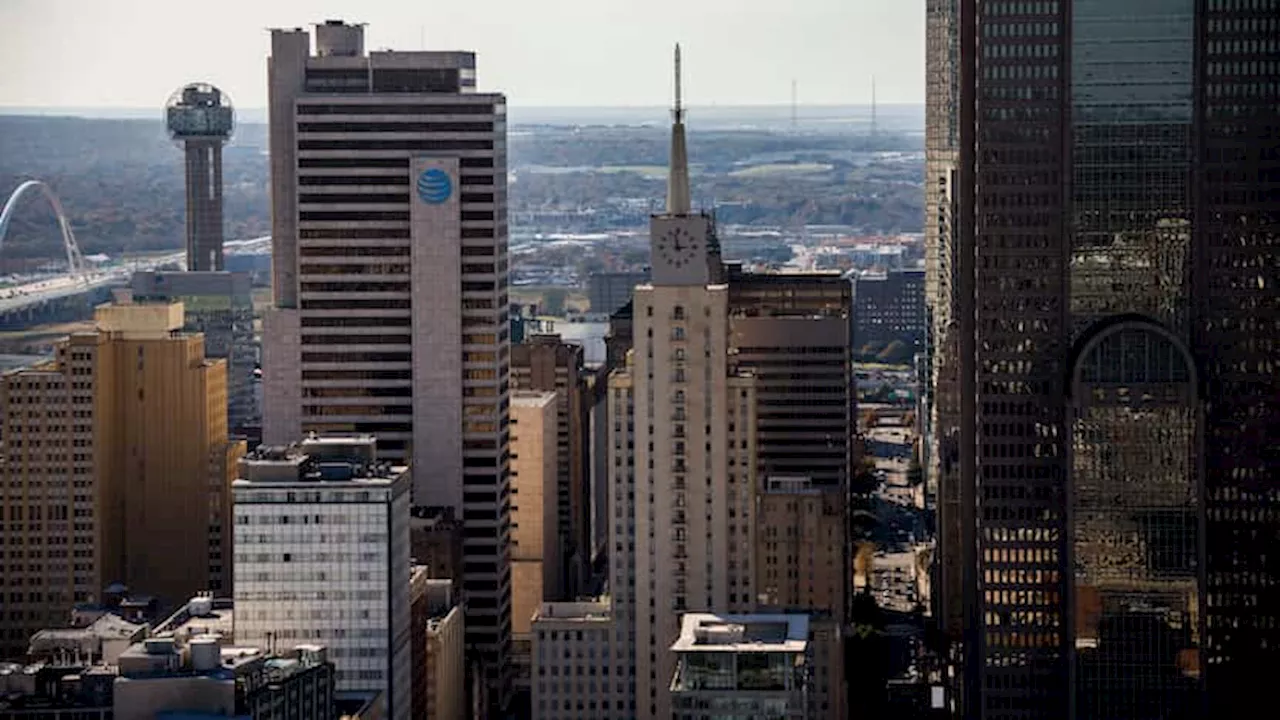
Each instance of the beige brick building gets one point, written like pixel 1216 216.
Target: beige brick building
pixel 537 572
pixel 535 561
pixel 548 364
pixel 115 467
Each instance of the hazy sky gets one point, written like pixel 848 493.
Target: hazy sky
pixel 133 53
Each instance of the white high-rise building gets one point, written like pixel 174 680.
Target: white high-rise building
pixel 694 439
pixel 389 248
pixel 322 556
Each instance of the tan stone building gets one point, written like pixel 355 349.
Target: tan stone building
pixel 438 685
pixel 535 565
pixel 446 695
pixel 800 546
pixel 116 467
pixel 536 569
pixel 546 363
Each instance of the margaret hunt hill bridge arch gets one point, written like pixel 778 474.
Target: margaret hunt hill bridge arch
pixel 75 260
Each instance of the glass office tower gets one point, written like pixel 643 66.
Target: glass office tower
pixel 1104 251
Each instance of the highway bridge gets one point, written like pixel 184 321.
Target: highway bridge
pixel 68 297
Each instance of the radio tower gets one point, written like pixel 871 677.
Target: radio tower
pixel 873 107
pixel 793 104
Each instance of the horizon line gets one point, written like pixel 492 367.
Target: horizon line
pixel 7 109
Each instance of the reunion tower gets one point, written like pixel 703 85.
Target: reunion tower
pixel 200 120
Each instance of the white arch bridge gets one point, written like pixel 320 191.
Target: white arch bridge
pixel 75 260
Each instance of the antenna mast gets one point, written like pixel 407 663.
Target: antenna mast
pixel 873 106
pixel 793 103
pixel 679 110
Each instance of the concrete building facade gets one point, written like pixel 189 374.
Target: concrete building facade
pixel 792 331
pixel 727 375
pixel 801 561
pixel 390 276
pixel 116 468
pixel 322 555
pixel 576 675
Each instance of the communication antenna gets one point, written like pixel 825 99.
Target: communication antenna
pixel 873 106
pixel 793 103
pixel 679 110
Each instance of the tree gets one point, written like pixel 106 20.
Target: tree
pixel 895 353
pixel 865 481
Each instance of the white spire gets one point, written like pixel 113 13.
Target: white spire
pixel 678 195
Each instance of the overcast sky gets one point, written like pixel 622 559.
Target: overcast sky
pixel 134 53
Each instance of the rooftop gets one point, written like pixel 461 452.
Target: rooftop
pixel 532 398
pixel 106 627
pixel 592 611
pixel 319 458
pixel 201 615
pixel 764 633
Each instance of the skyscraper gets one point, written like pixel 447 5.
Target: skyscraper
pixel 116 469
pixel 389 234
pixel 694 454
pixel 1110 327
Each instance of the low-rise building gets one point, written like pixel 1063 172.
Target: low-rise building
pixel 187 665
pixel 55 691
pixel 101 641
pixel 574 675
pixel 202 676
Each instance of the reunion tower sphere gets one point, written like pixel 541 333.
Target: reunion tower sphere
pixel 199 111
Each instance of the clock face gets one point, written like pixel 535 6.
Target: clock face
pixel 678 248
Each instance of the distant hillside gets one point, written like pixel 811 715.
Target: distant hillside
pixel 121 183
pixel 121 180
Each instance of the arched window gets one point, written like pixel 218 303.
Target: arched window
pixel 1135 494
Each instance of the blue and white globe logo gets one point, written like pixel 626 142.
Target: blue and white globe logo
pixel 434 186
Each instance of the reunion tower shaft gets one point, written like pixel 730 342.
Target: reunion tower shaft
pixel 200 119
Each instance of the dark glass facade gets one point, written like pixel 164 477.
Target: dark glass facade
pixel 1106 301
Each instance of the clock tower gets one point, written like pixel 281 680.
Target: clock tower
pixel 691 465
pixel 683 246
